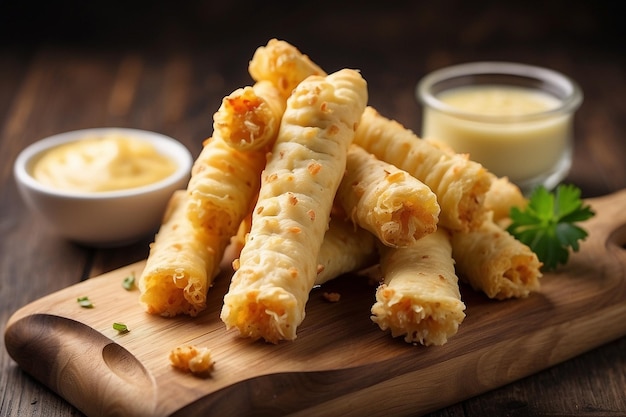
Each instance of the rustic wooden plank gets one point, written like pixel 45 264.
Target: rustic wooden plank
pixel 340 363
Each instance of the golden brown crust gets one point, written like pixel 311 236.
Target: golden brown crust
pixel 223 184
pixel 278 263
pixel 460 184
pixel 396 207
pixel 283 65
pixel 501 197
pixel 345 248
pixel 494 262
pixel 419 297
pixel 181 265
pixel 249 118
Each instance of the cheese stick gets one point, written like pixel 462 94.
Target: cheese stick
pixel 249 117
pixel 460 184
pixel 419 297
pixel 223 184
pixel 277 267
pixel 494 262
pixel 345 248
pixel 181 265
pixel 283 65
pixel 387 201
pixel 503 195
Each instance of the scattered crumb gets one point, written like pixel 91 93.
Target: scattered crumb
pixel 331 297
pixel 189 358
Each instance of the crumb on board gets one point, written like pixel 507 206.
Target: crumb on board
pixel 331 297
pixel 189 358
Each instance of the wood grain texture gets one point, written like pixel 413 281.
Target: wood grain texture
pixel 340 364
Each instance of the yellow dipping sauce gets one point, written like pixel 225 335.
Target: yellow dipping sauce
pixel 520 149
pixel 107 163
pixel 499 100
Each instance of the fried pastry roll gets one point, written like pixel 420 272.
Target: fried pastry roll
pixel 277 266
pixel 503 195
pixel 345 248
pixel 419 297
pixel 283 65
pixel 460 184
pixel 249 117
pixel 385 200
pixel 223 184
pixel 494 262
pixel 181 265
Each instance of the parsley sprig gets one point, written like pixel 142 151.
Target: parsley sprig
pixel 548 223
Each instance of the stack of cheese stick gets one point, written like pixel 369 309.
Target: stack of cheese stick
pixel 312 183
pixel 278 263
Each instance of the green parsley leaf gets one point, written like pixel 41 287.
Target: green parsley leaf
pixel 129 282
pixel 84 302
pixel 120 327
pixel 548 224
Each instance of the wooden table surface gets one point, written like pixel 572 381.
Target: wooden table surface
pixel 165 68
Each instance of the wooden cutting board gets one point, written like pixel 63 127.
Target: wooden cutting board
pixel 340 364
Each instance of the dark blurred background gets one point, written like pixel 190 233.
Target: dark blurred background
pixel 336 31
pixel 402 39
pixel 358 25
pixel 202 22
pixel 205 46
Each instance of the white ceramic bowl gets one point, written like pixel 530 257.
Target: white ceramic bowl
pixel 109 218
